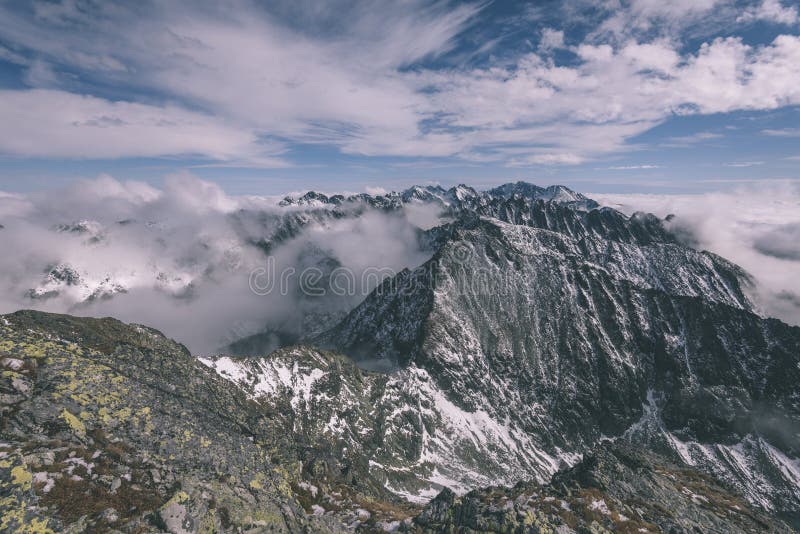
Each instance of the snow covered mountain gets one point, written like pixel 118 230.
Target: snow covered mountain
pixel 538 328
pixel 536 339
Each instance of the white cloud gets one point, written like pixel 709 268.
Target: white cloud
pixel 659 57
pixel 337 83
pixel 634 167
pixel 41 75
pixel 547 159
pixel 337 75
pixel 632 88
pixel 50 123
pixel 771 11
pixel 783 132
pixel 685 141
pixel 629 18
pixel 744 163
pixel 12 57
pixel 551 39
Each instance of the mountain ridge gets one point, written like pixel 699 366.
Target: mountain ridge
pixel 542 335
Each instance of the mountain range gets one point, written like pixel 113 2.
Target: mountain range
pixel 552 365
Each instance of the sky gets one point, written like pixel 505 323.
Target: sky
pixel 637 96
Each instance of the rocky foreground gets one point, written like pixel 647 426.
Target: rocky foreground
pixel 113 427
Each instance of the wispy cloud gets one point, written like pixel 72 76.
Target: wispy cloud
pixel 12 57
pixel 60 124
pixel 771 11
pixel 634 167
pixel 783 132
pixel 685 141
pixel 744 163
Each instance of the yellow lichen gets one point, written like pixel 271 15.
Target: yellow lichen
pixel 180 497
pixel 74 423
pixel 33 351
pixel 21 477
pixel 37 526
pixel 123 414
pixel 104 415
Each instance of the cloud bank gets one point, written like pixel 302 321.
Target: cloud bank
pixel 180 258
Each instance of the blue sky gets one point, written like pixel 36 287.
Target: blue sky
pixel 269 97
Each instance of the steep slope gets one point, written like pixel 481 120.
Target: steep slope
pixel 399 429
pixel 559 337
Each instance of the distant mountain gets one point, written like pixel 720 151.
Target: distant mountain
pixel 260 228
pixel 553 193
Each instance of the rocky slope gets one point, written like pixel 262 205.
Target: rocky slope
pixel 400 429
pixel 615 489
pixel 110 427
pixel 107 426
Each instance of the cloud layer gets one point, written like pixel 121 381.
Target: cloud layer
pixel 180 258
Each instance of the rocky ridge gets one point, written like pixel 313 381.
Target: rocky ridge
pixel 112 427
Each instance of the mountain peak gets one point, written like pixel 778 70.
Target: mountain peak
pixel 553 193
